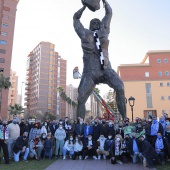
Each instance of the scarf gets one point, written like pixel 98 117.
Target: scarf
pixel 159 145
pixel 117 150
pixel 154 128
pixel 98 45
pixel 5 132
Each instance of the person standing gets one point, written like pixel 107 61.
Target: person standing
pixel 4 131
pixel 14 133
pixel 60 135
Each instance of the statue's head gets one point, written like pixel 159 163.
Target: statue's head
pixel 95 24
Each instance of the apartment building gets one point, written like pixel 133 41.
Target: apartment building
pixel 7 24
pixel 46 70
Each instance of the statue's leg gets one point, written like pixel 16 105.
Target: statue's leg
pixel 114 81
pixel 84 90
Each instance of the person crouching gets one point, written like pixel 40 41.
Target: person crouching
pixel 36 148
pixel 68 147
pixel 21 146
pixel 78 146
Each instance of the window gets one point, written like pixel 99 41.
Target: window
pixel 1 70
pixel 167 73
pixel 2 60
pixel 162 98
pixel 158 60
pixel 5 25
pixel 4 34
pixel 5 8
pixel 146 74
pixel 165 60
pixel 3 42
pixel 148 95
pixel 161 84
pixel 159 73
pixel 2 51
pixel 168 84
pixel 168 97
pixel 5 16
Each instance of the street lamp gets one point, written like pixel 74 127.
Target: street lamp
pixel 21 94
pixel 71 109
pixel 131 103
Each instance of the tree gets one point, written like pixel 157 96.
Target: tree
pixel 48 115
pixel 4 84
pixel 16 109
pixel 65 97
pixel 98 103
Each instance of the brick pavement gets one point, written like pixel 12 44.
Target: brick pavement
pixel 91 164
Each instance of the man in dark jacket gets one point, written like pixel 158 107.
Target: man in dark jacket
pixel 21 146
pixel 23 127
pixel 79 129
pixel 53 127
pixel 89 148
pixel 147 151
pixel 110 129
pixel 97 130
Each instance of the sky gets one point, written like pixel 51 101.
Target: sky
pixel 137 26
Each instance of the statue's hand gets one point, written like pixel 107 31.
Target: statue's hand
pixel 83 2
pixel 104 1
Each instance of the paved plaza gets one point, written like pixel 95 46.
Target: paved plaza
pixel 91 164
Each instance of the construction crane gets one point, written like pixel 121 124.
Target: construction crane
pixel 109 115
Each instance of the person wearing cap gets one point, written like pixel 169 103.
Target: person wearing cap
pixel 14 133
pixel 148 152
pixel 21 146
pixel 4 136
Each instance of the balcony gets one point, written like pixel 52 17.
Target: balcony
pixel 27 93
pixel 27 88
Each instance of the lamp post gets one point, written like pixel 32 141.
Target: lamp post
pixel 71 109
pixel 21 94
pixel 131 103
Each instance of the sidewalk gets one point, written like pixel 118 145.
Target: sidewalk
pixel 91 164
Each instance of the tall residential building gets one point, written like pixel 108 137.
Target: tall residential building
pixel 149 83
pixel 13 90
pixel 46 70
pixel 7 24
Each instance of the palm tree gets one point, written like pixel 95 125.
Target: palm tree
pixel 98 103
pixel 16 109
pixel 4 84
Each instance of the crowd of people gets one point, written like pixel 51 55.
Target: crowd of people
pixel 121 141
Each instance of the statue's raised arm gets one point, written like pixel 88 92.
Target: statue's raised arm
pixel 78 26
pixel 108 16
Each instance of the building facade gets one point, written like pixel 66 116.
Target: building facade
pixel 46 70
pixel 7 24
pixel 149 83
pixel 13 90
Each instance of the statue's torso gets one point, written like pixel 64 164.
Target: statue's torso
pixel 91 54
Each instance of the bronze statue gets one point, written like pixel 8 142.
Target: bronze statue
pixel 97 68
